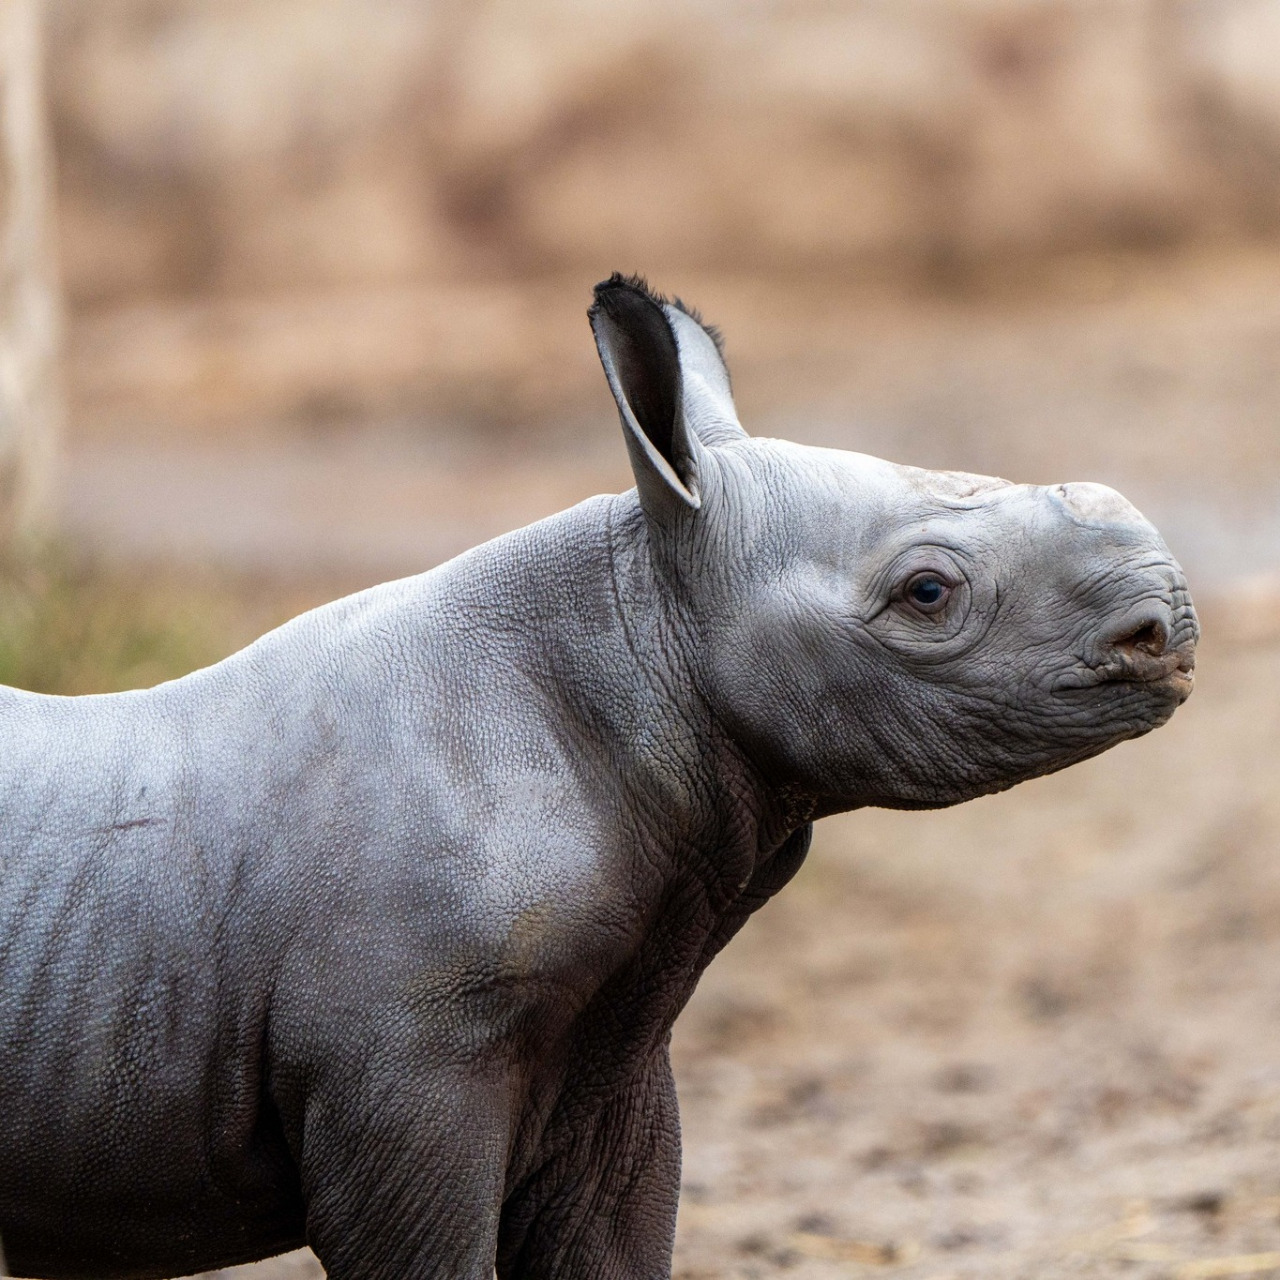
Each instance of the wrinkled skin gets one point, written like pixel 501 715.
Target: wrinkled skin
pixel 372 936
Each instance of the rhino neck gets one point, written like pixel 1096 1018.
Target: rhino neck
pixel 716 805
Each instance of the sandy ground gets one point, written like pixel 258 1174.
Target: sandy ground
pixel 1036 1036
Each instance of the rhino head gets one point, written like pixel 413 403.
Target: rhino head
pixel 876 634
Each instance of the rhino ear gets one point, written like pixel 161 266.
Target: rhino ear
pixel 641 359
pixel 708 397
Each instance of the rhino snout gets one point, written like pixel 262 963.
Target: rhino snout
pixel 1152 642
pixel 1147 644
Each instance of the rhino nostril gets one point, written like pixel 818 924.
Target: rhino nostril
pixel 1150 637
pixel 1148 644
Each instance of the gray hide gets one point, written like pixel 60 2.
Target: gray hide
pixel 372 936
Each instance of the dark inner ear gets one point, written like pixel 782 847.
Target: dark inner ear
pixel 647 361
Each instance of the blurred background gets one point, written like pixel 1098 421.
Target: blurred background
pixel 293 301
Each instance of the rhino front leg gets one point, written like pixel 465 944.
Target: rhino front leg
pixel 404 1177
pixel 603 1207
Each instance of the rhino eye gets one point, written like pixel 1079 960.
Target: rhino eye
pixel 927 592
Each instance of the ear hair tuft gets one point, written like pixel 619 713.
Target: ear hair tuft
pixel 619 280
pixel 711 330
pixel 637 282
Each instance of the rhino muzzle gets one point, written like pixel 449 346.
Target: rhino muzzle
pixel 1152 643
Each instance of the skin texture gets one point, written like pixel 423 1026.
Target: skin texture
pixel 372 936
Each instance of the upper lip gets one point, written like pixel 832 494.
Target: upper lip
pixel 1136 667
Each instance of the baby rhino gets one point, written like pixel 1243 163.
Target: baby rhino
pixel 372 936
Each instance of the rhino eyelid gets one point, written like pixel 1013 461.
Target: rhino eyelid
pixel 924 578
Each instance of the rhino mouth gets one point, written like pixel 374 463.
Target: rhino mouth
pixel 1174 669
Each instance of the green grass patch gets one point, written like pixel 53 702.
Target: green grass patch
pixel 70 626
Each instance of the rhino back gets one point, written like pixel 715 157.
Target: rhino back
pixel 201 882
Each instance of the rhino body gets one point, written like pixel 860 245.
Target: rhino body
pixel 372 936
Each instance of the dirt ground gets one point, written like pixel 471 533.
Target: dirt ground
pixel 1036 1036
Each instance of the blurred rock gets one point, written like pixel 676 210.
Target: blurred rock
pixel 289 207
pixel 255 145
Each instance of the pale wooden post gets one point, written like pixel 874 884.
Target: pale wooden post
pixel 30 317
